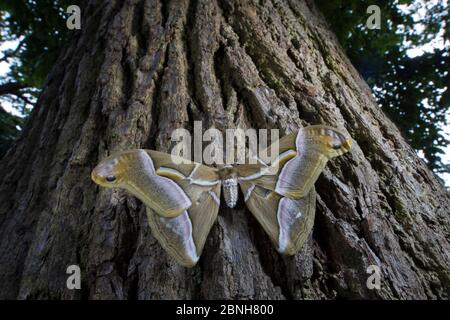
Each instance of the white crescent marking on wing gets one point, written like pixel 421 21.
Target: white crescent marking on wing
pixel 249 192
pixel 181 225
pixel 197 165
pixel 214 196
pixel 171 170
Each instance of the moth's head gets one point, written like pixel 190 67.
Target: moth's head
pixel 335 142
pixel 227 172
pixel 114 170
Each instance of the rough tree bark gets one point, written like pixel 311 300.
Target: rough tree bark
pixel 139 69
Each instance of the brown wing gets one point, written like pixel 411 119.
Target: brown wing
pixel 288 222
pixel 299 163
pixel 184 236
pixel 182 200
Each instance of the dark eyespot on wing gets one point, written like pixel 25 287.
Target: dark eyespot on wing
pixel 110 178
pixel 336 146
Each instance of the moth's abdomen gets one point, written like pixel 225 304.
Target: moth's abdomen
pixel 230 191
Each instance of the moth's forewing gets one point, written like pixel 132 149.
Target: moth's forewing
pixel 284 202
pixel 303 156
pixel 182 200
pixel 134 171
pixel 186 167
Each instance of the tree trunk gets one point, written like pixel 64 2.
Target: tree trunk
pixel 137 70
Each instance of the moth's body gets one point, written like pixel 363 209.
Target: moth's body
pixel 183 200
pixel 228 176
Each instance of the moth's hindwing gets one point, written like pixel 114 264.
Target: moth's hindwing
pixel 184 236
pixel 288 222
pixel 175 236
pixel 182 200
pixel 281 194
pixel 202 186
pixel 203 214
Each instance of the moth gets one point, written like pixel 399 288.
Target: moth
pixel 182 200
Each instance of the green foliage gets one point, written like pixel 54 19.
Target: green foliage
pixel 40 26
pixel 413 91
pixel 8 130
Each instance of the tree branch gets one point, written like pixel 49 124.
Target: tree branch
pixel 25 99
pixel 9 54
pixel 11 88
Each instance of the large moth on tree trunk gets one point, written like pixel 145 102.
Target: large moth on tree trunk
pixel 183 200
